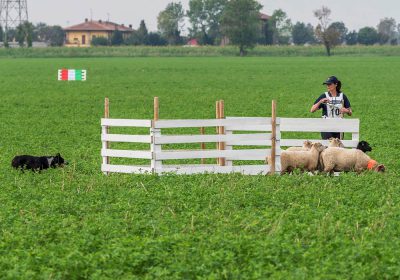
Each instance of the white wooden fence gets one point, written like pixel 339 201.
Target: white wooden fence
pixel 320 125
pixel 242 138
pixel 259 138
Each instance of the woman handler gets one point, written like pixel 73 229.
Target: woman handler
pixel 334 104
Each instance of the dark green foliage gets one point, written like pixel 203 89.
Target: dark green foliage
pixel 302 33
pixel 100 41
pixel 281 27
pixel 368 36
pixel 352 38
pixel 155 39
pixel 205 18
pixel 170 23
pixel 55 36
pixel 267 33
pixel 24 34
pixel 341 29
pixel 76 223
pixel 240 23
pixel 138 37
pixel 1 33
pixel 159 49
pixel 117 38
pixel 387 31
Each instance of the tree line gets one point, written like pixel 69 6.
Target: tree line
pixel 26 33
pixel 236 22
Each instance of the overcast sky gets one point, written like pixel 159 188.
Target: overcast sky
pixel 354 13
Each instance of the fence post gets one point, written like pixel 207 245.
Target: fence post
pixel 221 130
pixel 105 130
pixel 202 144
pixel 156 165
pixel 273 138
pixel 355 136
pixel 217 114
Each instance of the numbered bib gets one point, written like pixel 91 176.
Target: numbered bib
pixel 334 105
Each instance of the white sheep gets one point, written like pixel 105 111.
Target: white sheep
pixel 340 159
pixel 306 147
pixel 305 160
pixel 335 142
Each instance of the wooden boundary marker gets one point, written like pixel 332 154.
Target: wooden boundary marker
pixel 273 138
pixel 217 114
pixel 221 130
pixel 155 132
pixel 105 129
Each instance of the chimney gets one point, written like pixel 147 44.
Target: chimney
pixel 123 25
pixel 86 20
pixel 130 26
pixel 100 21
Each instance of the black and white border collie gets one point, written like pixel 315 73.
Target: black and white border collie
pixel 37 163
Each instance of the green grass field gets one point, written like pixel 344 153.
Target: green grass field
pixel 76 223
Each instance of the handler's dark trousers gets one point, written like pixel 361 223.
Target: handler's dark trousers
pixel 327 135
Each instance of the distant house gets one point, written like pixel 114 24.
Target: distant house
pixel 81 35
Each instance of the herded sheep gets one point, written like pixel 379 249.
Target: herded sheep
pixel 335 142
pixel 339 159
pixel 306 147
pixel 364 146
pixel 305 160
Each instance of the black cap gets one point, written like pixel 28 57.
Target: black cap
pixel 331 80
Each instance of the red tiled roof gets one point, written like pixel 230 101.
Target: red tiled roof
pixel 98 26
pixel 264 16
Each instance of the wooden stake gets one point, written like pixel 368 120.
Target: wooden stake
pixel 106 115
pixel 156 109
pixel 156 166
pixel 221 130
pixel 202 144
pixel 217 116
pixel 273 144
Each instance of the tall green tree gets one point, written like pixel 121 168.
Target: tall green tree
pixel 170 22
pixel 53 35
pixel 302 33
pixel 323 32
pixel 281 27
pixel 1 33
pixel 368 36
pixel 241 23
pixel 386 30
pixel 340 28
pixel 24 34
pixel 205 19
pixel 138 37
pixel 117 38
pixel 142 29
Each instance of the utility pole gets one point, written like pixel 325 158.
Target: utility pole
pixel 12 14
